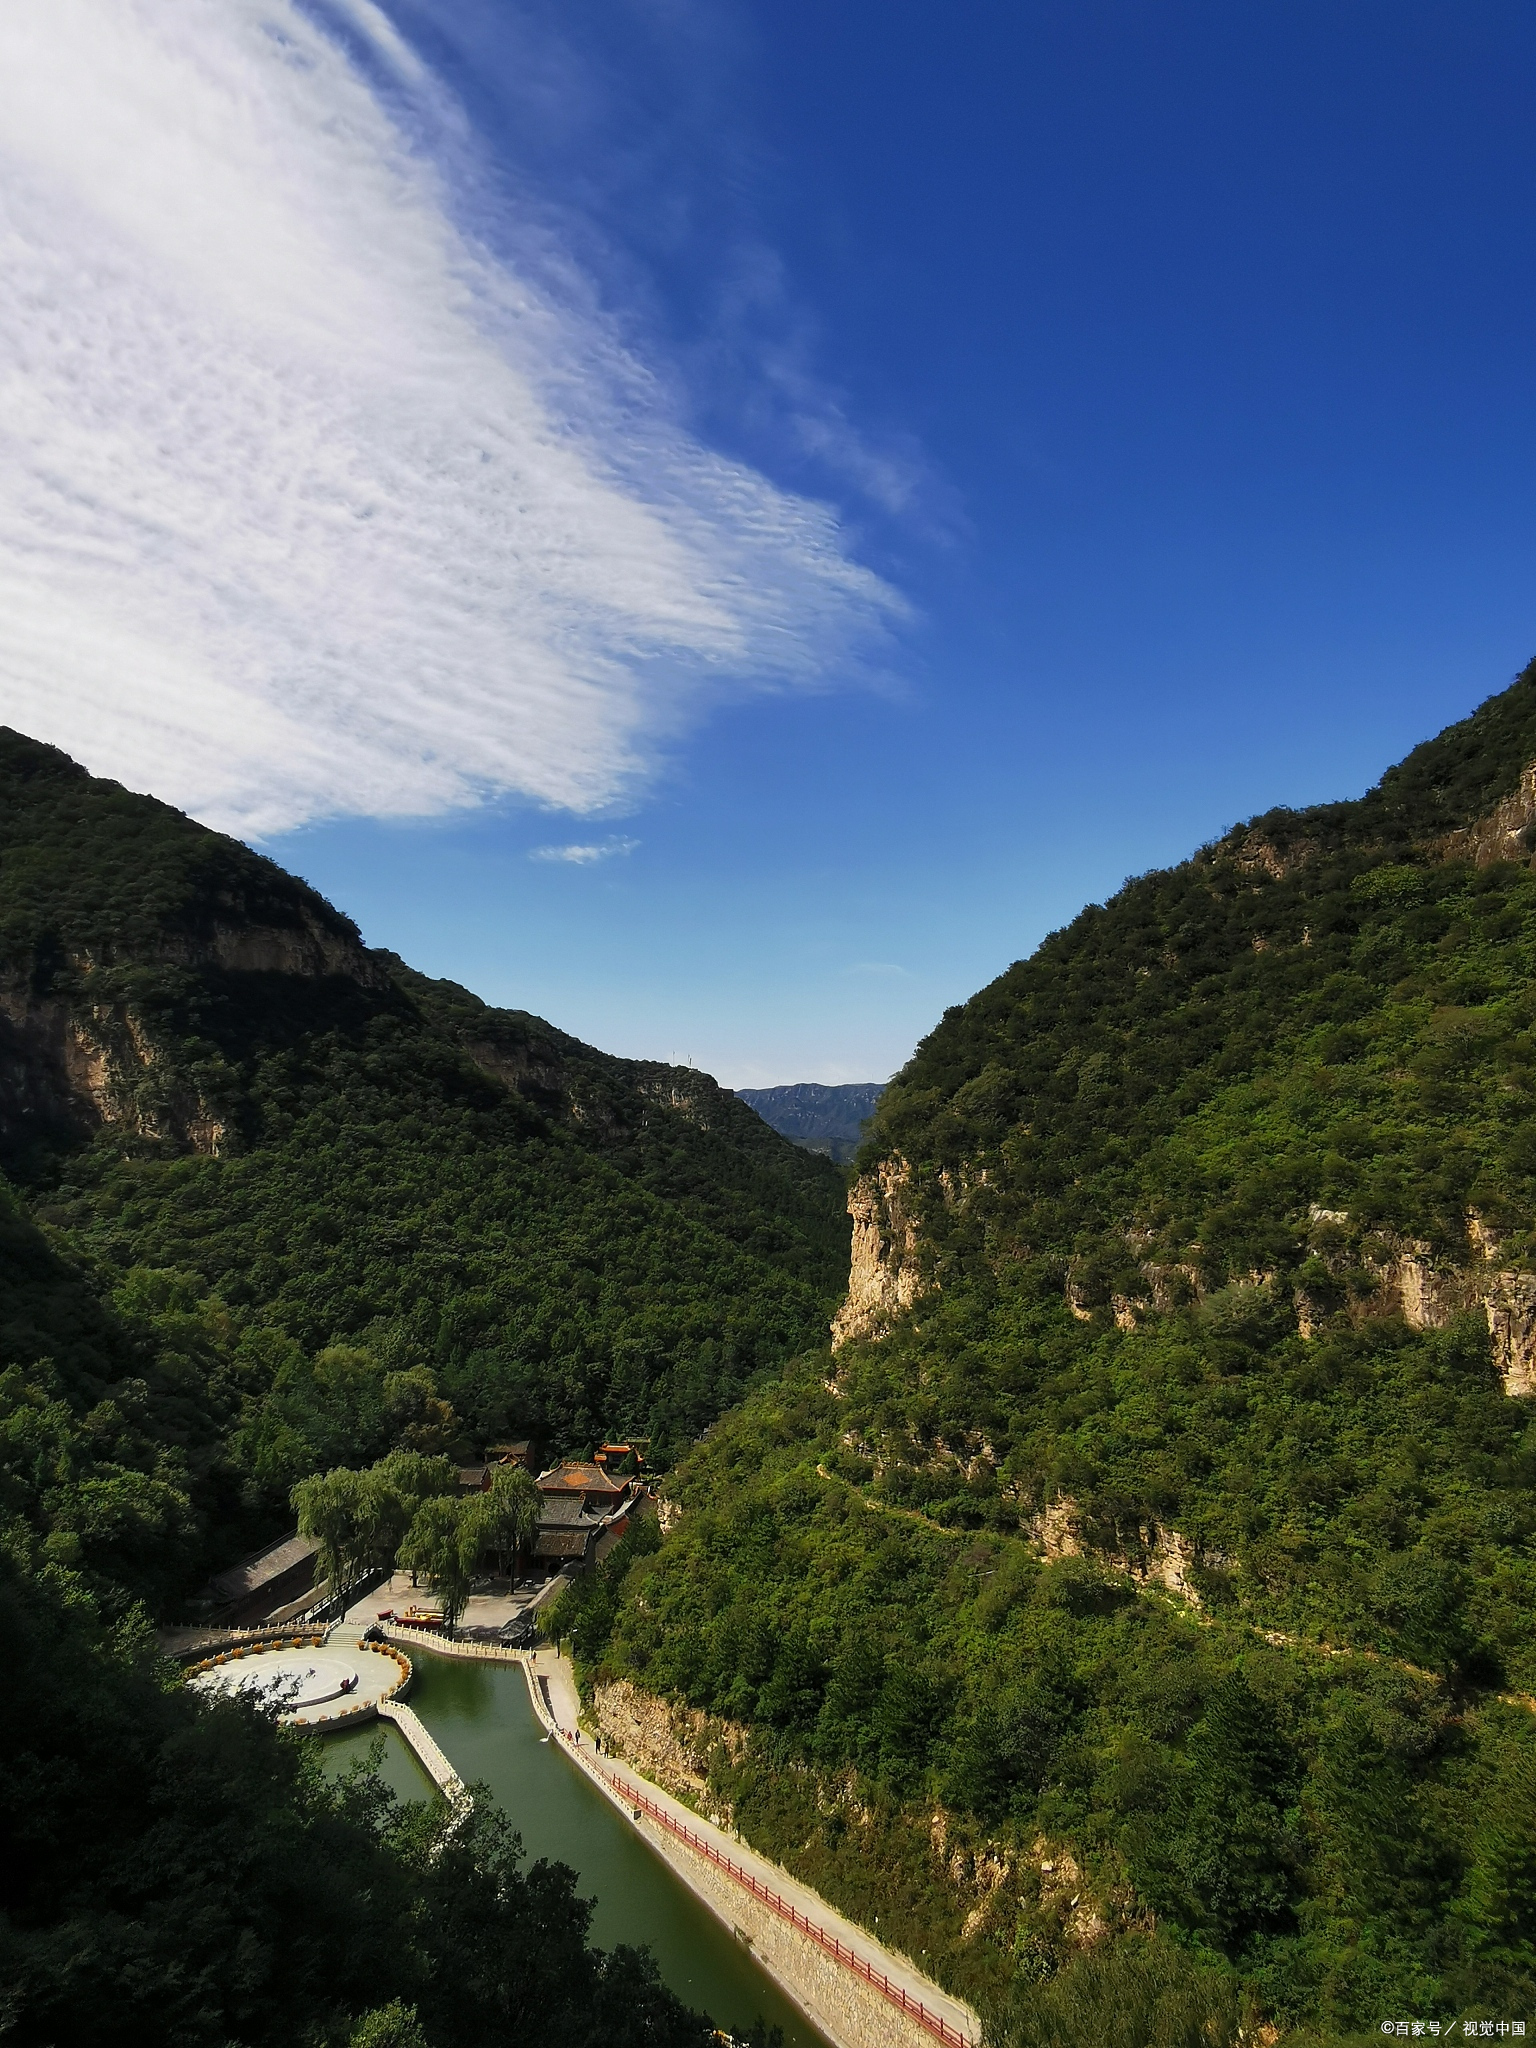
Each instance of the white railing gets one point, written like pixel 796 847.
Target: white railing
pixel 435 1764
pixel 447 1646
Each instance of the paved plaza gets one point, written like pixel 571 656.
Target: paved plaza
pixel 309 1683
pixel 492 1605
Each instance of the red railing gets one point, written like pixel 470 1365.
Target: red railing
pixel 838 1950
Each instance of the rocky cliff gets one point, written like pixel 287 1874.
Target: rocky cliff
pixel 1349 978
pixel 885 1273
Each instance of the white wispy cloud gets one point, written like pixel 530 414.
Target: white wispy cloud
pixel 310 505
pixel 584 856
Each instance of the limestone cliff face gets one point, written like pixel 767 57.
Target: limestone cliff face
pixel 672 1744
pixel 884 1276
pixel 546 1071
pixel 1430 1295
pixel 1511 1310
pixel 307 949
pixel 1157 1557
pixel 1500 835
pixel 531 1069
pixel 70 1068
pixel 76 1055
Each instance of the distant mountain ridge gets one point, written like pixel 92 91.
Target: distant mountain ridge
pixel 829 1120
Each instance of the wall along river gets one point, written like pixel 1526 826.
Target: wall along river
pixel 483 1721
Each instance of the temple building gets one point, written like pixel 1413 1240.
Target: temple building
pixel 584 1511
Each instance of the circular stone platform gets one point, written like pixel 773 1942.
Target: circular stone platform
pixel 309 1683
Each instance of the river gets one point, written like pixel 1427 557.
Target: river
pixel 481 1718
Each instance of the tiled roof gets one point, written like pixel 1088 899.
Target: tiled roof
pixel 577 1476
pixel 563 1542
pixel 567 1509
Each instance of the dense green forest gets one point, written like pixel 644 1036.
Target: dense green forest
pixel 275 1204
pixel 174 1869
pixel 1151 1588
pixel 335 1208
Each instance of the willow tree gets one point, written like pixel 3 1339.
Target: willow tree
pixel 507 1513
pixel 443 1545
pixel 332 1508
pixel 392 1492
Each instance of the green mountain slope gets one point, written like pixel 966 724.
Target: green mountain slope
pixel 359 1207
pixel 1153 1561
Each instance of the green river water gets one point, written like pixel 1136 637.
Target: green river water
pixel 483 1721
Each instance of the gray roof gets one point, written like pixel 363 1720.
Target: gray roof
pixel 252 1573
pixel 570 1511
pixel 567 1511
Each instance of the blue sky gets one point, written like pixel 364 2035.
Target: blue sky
pixel 901 470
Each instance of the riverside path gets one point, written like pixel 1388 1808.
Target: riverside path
pixel 885 1998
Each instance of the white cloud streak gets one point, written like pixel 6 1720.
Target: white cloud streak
pixel 584 856
pixel 308 505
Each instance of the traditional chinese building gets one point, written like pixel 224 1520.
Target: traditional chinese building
pixel 583 1510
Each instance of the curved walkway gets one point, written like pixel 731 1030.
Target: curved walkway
pixel 433 1762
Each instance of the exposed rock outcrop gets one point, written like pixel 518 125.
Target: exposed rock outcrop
pixel 1256 855
pixel 1063 1893
pixel 1161 1557
pixel 75 1054
pixel 1510 1305
pixel 884 1277
pixel 1431 1293
pixel 69 1070
pixel 670 1744
pixel 1501 834
pixel 530 1069
pixel 308 948
pixel 641 1728
pixel 1056 1529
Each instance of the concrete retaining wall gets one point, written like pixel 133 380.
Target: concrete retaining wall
pixel 852 2012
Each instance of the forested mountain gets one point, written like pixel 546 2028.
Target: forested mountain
pixel 823 1118
pixel 1136 1608
pixel 277 1203
pixel 315 1205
